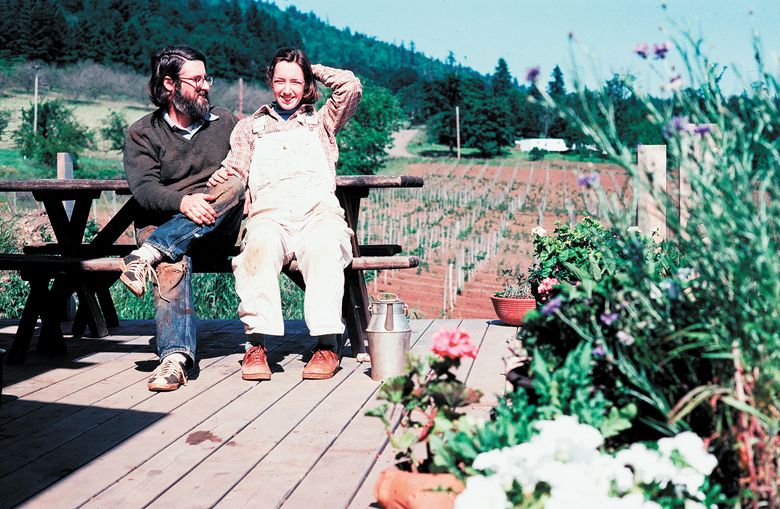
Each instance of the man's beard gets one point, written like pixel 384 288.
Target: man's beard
pixel 193 108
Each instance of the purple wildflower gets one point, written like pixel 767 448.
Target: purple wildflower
pixel 609 318
pixel 598 352
pixel 677 125
pixel 552 306
pixel 702 129
pixel 642 49
pixel 531 74
pixel 587 180
pixel 660 50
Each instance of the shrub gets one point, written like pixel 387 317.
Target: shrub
pixel 58 131
pixel 114 131
pixel 5 117
pixel 13 290
pixel 536 154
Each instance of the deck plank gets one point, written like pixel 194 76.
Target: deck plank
pixel 82 429
pixel 353 454
pixel 216 476
pixel 487 372
pixel 180 465
pixel 127 441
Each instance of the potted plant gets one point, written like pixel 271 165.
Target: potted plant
pixel 426 402
pixel 515 300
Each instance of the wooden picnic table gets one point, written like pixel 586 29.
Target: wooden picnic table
pixel 84 269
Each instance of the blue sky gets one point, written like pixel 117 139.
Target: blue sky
pixel 532 32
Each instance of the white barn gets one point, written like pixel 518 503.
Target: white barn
pixel 548 144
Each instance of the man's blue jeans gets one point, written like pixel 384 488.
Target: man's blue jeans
pixel 180 239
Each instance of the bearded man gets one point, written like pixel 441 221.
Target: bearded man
pixel 169 156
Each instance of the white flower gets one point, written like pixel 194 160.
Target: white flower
pixel 482 493
pixel 692 504
pixel 569 440
pixel 634 229
pixel 518 463
pixel 625 338
pixel 691 448
pixel 648 466
pixel 539 231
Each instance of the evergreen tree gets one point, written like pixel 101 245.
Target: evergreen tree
pixel 556 86
pixel 502 80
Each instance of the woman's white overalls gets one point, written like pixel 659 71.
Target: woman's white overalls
pixel 294 213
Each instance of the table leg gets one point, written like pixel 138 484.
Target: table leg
pixel 354 309
pixel 50 339
pixel 355 303
pixel 33 308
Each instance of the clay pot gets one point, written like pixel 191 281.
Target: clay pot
pixel 512 311
pixel 396 489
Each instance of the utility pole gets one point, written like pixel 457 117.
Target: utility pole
pixel 35 102
pixel 457 129
pixel 240 97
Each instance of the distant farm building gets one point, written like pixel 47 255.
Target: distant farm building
pixel 546 144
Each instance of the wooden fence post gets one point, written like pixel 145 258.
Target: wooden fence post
pixel 651 213
pixel 697 151
pixel 65 171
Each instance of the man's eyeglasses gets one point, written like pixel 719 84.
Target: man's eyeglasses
pixel 198 81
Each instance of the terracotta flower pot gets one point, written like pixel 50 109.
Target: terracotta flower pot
pixel 512 311
pixel 396 489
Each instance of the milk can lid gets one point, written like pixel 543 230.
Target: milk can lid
pixel 386 297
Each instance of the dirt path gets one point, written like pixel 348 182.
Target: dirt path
pixel 400 141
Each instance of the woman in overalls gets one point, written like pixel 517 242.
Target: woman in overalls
pixel 286 152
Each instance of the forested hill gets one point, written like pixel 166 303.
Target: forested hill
pixel 391 65
pixel 238 37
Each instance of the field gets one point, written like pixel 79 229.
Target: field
pixel 471 220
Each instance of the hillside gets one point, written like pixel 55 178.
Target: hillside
pixel 241 37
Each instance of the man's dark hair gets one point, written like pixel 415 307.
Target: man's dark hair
pixel 168 61
pixel 310 94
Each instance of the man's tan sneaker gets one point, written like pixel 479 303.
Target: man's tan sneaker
pixel 135 271
pixel 168 376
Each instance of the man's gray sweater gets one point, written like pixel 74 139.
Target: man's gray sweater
pixel 162 166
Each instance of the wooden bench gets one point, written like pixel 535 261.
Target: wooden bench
pixel 40 269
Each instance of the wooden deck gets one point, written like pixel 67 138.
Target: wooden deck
pixel 83 431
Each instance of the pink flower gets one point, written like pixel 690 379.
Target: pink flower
pixel 547 285
pixel 642 49
pixel 453 344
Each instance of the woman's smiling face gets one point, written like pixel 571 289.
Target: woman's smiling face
pixel 288 84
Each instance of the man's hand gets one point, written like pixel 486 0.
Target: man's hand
pixel 198 209
pixel 218 177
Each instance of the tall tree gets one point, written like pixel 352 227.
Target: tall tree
pixel 556 86
pixel 364 140
pixel 502 80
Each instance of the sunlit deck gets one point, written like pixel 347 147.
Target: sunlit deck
pixel 83 431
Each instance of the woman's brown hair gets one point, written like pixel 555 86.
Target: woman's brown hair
pixel 310 94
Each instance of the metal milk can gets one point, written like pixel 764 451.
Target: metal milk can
pixel 389 333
